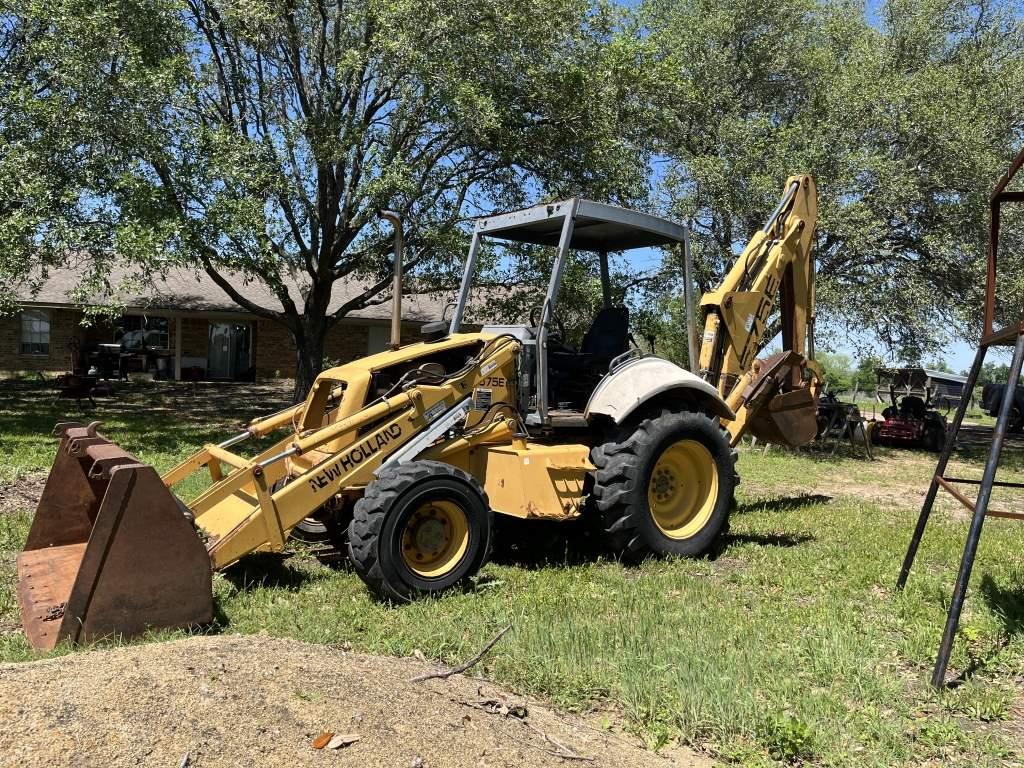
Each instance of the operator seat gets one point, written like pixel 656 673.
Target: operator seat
pixel 608 336
pixel 912 407
pixel 574 374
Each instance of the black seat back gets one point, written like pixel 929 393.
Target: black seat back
pixel 608 335
pixel 912 407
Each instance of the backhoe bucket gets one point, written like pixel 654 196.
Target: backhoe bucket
pixel 111 550
pixel 790 419
pixel 787 418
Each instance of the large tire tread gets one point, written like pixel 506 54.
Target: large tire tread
pixel 371 511
pixel 619 464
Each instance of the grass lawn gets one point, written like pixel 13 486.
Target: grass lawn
pixel 789 644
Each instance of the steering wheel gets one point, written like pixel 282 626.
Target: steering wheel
pixel 559 325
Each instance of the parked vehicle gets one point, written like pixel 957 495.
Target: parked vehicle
pixel 407 456
pixel 992 398
pixel 911 418
pixel 839 421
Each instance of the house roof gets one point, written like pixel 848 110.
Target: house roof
pixel 186 290
pixel 922 374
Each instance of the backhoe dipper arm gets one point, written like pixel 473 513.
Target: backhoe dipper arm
pixel 776 267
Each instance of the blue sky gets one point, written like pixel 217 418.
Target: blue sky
pixel 961 355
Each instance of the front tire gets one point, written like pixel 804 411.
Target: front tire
pixel 420 528
pixel 874 432
pixel 666 487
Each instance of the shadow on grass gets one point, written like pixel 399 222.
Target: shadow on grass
pixel 264 570
pixel 1007 604
pixel 784 503
pixel 142 406
pixel 784 540
pixel 535 544
pixel 780 540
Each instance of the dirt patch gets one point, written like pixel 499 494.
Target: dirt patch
pixel 22 494
pixel 1013 726
pixel 896 480
pixel 229 701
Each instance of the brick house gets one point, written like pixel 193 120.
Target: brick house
pixel 184 326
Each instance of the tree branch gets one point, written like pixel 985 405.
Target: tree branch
pixel 365 299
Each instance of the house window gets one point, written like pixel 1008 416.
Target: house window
pixel 142 332
pixel 35 332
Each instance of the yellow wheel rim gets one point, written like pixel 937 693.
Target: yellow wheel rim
pixel 683 489
pixel 435 538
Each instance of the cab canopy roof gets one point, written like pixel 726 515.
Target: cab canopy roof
pixel 597 226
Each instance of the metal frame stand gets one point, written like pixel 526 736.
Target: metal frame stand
pixel 979 507
pixel 1014 335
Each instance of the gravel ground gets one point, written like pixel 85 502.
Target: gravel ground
pixel 259 701
pixel 21 494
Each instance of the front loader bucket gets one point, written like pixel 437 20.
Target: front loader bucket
pixel 110 551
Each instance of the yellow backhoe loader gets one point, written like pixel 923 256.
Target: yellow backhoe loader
pixel 409 454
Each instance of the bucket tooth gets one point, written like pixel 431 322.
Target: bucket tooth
pixel 109 552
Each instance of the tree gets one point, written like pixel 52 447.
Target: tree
pixel 45 220
pixel 660 324
pixel 940 365
pixel 838 370
pixel 906 127
pixel 867 372
pixel 256 141
pixel 994 373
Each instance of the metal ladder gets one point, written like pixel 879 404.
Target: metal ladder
pixel 1010 335
pixel 979 507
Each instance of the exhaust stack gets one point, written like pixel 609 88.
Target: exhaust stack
pixel 396 288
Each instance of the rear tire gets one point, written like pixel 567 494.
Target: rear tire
pixel 1016 421
pixel 310 530
pixel 666 486
pixel 420 528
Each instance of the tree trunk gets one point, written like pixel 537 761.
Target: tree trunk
pixel 309 337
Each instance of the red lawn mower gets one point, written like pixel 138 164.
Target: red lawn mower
pixel 910 419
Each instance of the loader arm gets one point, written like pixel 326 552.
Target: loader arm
pixel 112 550
pixel 774 399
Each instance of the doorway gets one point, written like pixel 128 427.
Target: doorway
pixel 230 353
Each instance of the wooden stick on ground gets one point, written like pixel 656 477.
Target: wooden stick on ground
pixel 462 667
pixel 560 749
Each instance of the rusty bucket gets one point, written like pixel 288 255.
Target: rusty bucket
pixel 111 551
pixel 790 419
pixel 777 414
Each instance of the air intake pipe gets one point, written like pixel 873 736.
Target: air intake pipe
pixel 396 288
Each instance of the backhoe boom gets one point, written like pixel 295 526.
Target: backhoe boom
pixel 774 399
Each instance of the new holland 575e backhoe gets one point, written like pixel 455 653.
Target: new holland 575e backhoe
pixel 417 449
